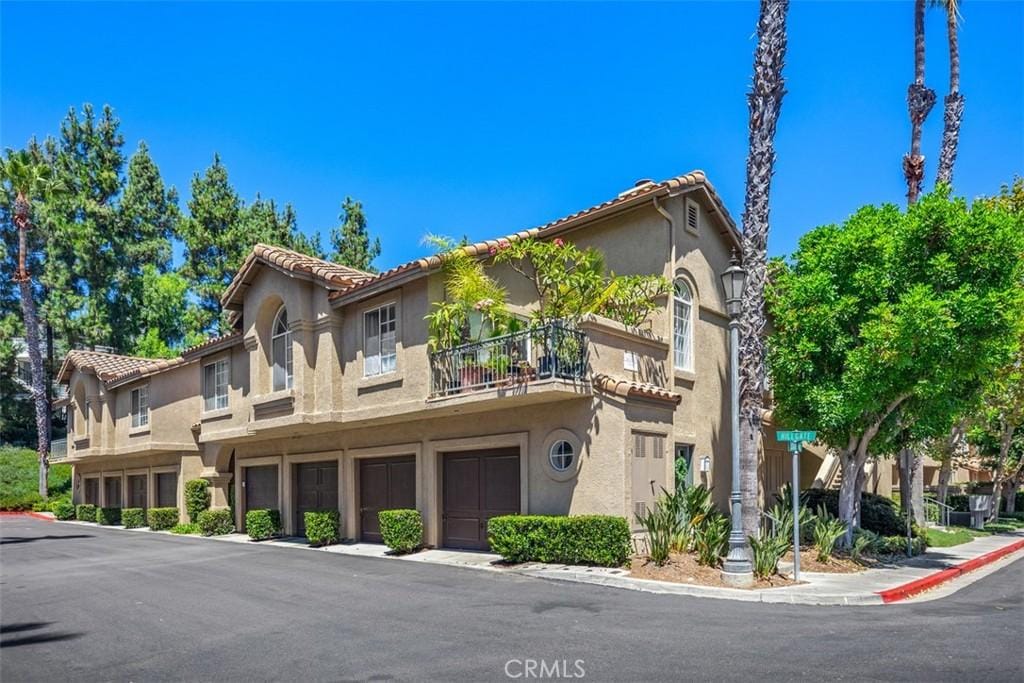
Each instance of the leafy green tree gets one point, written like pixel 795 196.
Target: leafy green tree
pixel 892 310
pixel 351 241
pixel 167 320
pixel 16 419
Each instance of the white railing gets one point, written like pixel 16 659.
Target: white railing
pixel 58 450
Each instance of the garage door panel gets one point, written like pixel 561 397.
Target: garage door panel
pixel 167 489
pixel 462 483
pixel 477 486
pixel 501 483
pixel 137 491
pixel 261 488
pixel 316 488
pixel 384 484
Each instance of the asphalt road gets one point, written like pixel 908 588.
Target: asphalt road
pixel 90 604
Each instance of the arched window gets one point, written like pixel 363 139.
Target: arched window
pixel 281 351
pixel 682 330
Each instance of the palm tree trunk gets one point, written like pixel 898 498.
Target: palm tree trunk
pixel 28 309
pixel 765 103
pixel 954 102
pixel 920 100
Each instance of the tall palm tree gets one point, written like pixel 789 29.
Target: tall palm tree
pixel 954 102
pixel 26 179
pixel 764 102
pixel 920 100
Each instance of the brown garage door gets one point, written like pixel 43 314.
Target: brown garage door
pixel 112 492
pixel 137 491
pixel 384 484
pixel 261 488
pixel 167 490
pixel 92 491
pixel 316 488
pixel 478 485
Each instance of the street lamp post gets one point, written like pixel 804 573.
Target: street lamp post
pixel 737 569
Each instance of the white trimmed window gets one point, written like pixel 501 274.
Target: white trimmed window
pixel 281 351
pixel 140 406
pixel 561 456
pixel 379 341
pixel 682 329
pixel 215 385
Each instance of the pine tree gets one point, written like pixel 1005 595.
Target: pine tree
pixel 351 240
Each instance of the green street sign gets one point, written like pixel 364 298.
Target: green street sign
pixel 792 436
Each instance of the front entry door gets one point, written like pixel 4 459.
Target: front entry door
pixel 478 485
pixel 384 484
pixel 316 488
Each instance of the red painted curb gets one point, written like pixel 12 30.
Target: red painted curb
pixel 919 585
pixel 25 513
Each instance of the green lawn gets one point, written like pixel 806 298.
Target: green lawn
pixel 19 479
pixel 946 539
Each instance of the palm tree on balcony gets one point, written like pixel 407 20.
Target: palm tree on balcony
pixel 765 103
pixel 27 180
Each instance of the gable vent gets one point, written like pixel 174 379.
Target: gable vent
pixel 692 216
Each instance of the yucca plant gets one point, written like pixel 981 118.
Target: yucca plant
pixel 710 539
pixel 826 532
pixel 767 552
pixel 659 523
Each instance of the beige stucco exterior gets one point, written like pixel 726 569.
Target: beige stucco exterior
pixel 332 413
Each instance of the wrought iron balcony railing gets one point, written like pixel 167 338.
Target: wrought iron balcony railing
pixel 555 350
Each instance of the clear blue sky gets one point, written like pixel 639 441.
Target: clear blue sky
pixel 482 119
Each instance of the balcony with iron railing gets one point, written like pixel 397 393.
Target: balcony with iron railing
pixel 551 354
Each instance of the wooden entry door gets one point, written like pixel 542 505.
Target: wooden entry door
pixel 384 484
pixel 478 485
pixel 316 488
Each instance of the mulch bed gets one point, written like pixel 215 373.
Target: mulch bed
pixel 835 565
pixel 683 568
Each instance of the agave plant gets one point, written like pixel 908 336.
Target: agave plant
pixel 827 530
pixel 767 552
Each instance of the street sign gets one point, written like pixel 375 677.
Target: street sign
pixel 796 436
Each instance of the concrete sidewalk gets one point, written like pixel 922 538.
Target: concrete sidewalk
pixel 861 588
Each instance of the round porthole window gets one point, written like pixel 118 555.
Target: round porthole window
pixel 561 456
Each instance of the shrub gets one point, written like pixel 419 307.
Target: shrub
pixel 108 516
pixel 710 540
pixel 1000 527
pixel 877 513
pixel 767 552
pixel 958 501
pixel 85 512
pixel 661 524
pixel 587 539
pixel 262 524
pixel 186 528
pixel 897 545
pixel 161 519
pixel 197 497
pixel 827 530
pixel 64 510
pixel 133 518
pixel 401 530
pixel 322 527
pixel 215 522
pixel 865 543
pixel 19 478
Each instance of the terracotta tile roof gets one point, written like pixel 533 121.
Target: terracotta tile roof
pixel 106 366
pixel 631 389
pixel 641 192
pixel 331 275
pixel 151 368
pixel 213 344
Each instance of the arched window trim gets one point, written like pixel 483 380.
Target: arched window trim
pixel 682 325
pixel 281 352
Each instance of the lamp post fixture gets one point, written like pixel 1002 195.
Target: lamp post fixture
pixel 737 569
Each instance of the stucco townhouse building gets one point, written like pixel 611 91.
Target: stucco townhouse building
pixel 326 394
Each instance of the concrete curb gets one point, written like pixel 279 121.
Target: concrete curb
pixel 28 513
pixel 932 580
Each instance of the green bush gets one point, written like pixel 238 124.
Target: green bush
pixel 322 527
pixel 767 552
pixel 64 510
pixel 865 543
pixel 1000 527
pixel 85 512
pixel 401 530
pixel 827 531
pixel 186 528
pixel 215 522
pixel 197 498
pixel 262 524
pixel 108 516
pixel 897 545
pixel 877 513
pixel 662 526
pixel 711 539
pixel 587 539
pixel 19 479
pixel 133 518
pixel 161 519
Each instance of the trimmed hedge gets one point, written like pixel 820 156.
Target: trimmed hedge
pixel 897 545
pixel 877 513
pixel 133 518
pixel 197 498
pixel 108 516
pixel 186 528
pixel 162 519
pixel 216 522
pixel 401 530
pixel 85 512
pixel 588 539
pixel 322 527
pixel 63 510
pixel 262 524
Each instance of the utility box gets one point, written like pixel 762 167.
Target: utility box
pixel 980 507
